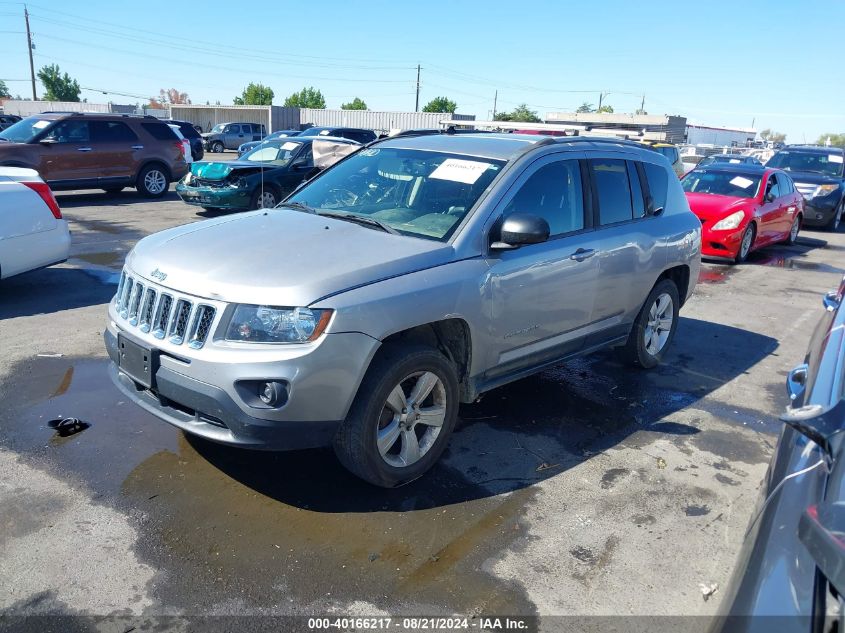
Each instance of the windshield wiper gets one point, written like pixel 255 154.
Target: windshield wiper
pixel 360 219
pixel 298 206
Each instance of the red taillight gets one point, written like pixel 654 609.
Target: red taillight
pixel 181 147
pixel 43 190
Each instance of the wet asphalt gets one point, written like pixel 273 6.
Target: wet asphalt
pixel 589 488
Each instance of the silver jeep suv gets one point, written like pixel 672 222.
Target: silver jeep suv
pixel 413 275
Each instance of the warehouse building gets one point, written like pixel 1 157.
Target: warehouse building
pixel 670 129
pixel 720 136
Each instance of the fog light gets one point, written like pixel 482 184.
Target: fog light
pixel 819 216
pixel 269 394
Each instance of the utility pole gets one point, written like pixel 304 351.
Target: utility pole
pixel 417 106
pixel 601 94
pixel 29 46
pixel 642 105
pixel 495 99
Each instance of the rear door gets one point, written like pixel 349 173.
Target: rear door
pixel 541 295
pixel 629 258
pixel 115 144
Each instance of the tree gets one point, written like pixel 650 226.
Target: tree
pixel 440 104
pixel 584 108
pixel 771 135
pixel 605 109
pixel 4 91
pixel 306 98
pixel 255 94
pixel 58 87
pixel 836 140
pixel 355 104
pixel 520 113
pixel 171 95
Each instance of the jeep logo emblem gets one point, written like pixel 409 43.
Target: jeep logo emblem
pixel 157 274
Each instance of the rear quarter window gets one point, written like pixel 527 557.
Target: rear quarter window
pixel 159 131
pixel 658 184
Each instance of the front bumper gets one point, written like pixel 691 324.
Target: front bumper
pixel 818 211
pixel 206 397
pixel 219 197
pixel 721 244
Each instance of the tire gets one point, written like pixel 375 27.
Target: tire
pixel 746 244
pixel 267 199
pixel 793 231
pixel 217 147
pixel 393 461
pixel 114 190
pixel 153 181
pixel 833 225
pixel 640 350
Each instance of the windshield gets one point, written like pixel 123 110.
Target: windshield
pixel 25 130
pixel 722 183
pixel 218 128
pixel 420 193
pixel 278 153
pixel 827 164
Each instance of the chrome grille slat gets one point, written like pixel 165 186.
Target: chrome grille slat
pixel 162 316
pixel 177 319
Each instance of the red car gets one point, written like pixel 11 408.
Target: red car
pixel 743 208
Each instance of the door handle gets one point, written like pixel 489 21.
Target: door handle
pixel 83 149
pixel 582 253
pixel 137 147
pixel 796 382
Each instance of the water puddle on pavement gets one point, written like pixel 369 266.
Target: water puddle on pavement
pixel 108 258
pixel 788 262
pixel 714 274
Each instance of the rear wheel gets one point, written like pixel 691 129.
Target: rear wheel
pixel 153 181
pixel 654 327
pixel 402 417
pixel 793 231
pixel 746 243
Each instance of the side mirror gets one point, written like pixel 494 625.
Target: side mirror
pixel 521 229
pixel 824 426
pixel 820 531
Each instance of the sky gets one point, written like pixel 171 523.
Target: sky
pixel 769 64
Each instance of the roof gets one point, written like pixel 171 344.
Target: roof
pixel 499 146
pixel 818 149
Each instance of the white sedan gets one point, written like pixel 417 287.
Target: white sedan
pixel 33 233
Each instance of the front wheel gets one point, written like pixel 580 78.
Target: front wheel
pixel 402 417
pixel 217 147
pixel 153 181
pixel 746 243
pixel 265 199
pixel 837 218
pixel 654 327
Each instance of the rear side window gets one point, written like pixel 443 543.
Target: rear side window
pixel 613 189
pixel 554 193
pixel 658 184
pixel 159 131
pixel 188 130
pixel 112 132
pixel 637 197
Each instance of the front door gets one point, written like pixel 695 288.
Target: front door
pixel 771 212
pixel 541 295
pixel 68 153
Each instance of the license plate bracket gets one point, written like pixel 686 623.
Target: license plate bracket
pixel 136 361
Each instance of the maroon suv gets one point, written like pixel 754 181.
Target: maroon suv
pixel 96 151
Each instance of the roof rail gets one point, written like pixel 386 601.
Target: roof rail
pixel 567 129
pixel 92 112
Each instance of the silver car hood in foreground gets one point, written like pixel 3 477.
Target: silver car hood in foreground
pixel 278 257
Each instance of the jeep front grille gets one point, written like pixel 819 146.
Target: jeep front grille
pixel 152 310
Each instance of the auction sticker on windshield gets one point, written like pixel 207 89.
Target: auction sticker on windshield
pixel 834 158
pixel 289 145
pixel 744 183
pixel 457 170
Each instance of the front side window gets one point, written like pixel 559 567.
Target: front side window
pixel 722 183
pixel 554 193
pixel 25 130
pixel 614 190
pixel 414 192
pixel 70 131
pixel 772 188
pixel 233 129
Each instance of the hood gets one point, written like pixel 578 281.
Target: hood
pixel 279 257
pixel 813 178
pixel 220 171
pixel 708 206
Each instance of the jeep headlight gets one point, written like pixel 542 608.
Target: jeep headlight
pixel 730 222
pixel 267 324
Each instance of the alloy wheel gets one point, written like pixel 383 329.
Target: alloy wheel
pixel 793 232
pixel 745 247
pixel 155 181
pixel 411 419
pixel 267 200
pixel 659 326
